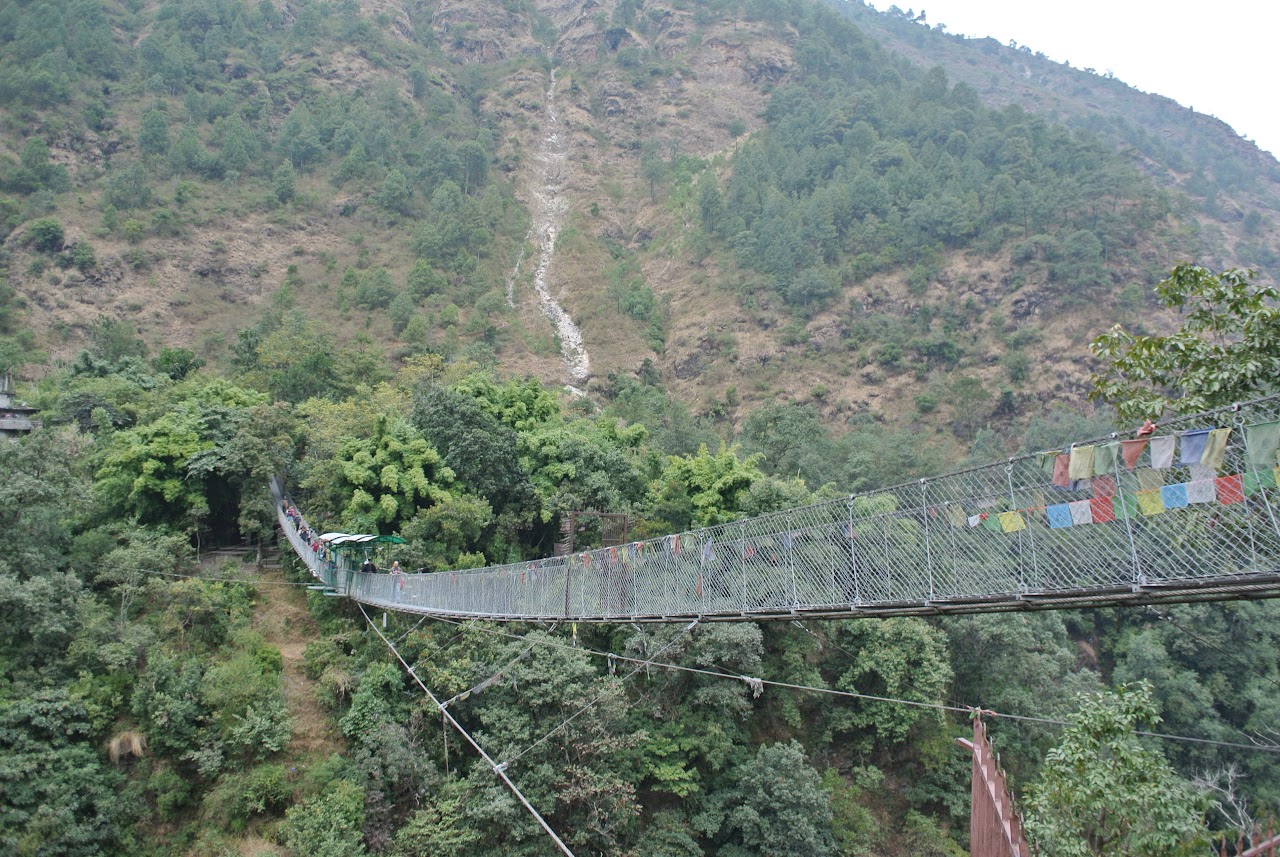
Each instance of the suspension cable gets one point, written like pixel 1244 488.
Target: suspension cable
pixel 956 709
pixel 498 769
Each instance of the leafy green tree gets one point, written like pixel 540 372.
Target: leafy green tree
pixel 1103 791
pixel 153 137
pixel 779 807
pixel 396 194
pixel 702 490
pixel 380 482
pixel 1227 350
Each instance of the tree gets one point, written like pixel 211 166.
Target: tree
pixel 1227 350
pixel 153 137
pixel 779 806
pixel 1104 792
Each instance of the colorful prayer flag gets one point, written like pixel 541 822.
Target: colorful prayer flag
pixel 1162 452
pixel 1174 496
pixel 1102 510
pixel 1131 451
pixel 1255 479
pixel 1149 502
pixel 1062 471
pixel 1104 458
pixel 1103 486
pixel 1012 522
pixel 1080 464
pixel 1081 513
pixel 1261 442
pixel 1215 449
pixel 1124 505
pixel 1193 444
pixel 1059 515
pixel 1230 489
pixel 1201 491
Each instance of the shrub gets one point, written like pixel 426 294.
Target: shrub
pixel 45 235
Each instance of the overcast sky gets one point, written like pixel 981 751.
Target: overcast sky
pixel 1218 57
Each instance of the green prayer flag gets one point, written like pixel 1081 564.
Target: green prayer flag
pixel 1255 479
pixel 1261 442
pixel 1104 458
pixel 1125 505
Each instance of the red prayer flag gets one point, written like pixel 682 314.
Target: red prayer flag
pixel 1230 489
pixel 1130 450
pixel 1103 510
pixel 1061 471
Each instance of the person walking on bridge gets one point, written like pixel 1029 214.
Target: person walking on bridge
pixel 397 581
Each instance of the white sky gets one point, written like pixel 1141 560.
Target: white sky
pixel 1218 57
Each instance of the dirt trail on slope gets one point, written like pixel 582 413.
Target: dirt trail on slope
pixel 283 620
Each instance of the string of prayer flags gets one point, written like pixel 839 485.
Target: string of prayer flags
pixel 1193 444
pixel 1162 452
pixel 1215 449
pixel 1104 458
pixel 1150 503
pixel 1012 522
pixel 1261 442
pixel 1131 451
pixel 1080 464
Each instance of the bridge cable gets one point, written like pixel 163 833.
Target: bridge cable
pixel 966 710
pixel 498 769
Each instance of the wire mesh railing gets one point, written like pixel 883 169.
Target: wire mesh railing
pixel 1187 512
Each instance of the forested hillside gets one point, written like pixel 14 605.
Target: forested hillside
pixel 364 245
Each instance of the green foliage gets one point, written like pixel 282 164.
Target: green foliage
pixel 1105 792
pixel 45 235
pixel 779 807
pixel 328 824
pixel 1227 350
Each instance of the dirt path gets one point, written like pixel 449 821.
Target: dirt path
pixel 284 622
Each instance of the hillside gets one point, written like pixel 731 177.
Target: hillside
pixel 410 175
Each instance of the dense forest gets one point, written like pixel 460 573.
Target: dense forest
pixel 151 702
pixel 243 240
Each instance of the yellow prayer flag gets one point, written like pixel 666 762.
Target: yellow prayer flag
pixel 1150 502
pixel 1011 522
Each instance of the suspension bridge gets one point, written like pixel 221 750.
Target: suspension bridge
pixel 1180 512
pixel 1185 511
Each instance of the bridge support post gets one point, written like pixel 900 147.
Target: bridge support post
pixel 928 547
pixel 853 556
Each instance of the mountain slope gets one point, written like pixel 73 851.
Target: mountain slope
pixel 761 200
